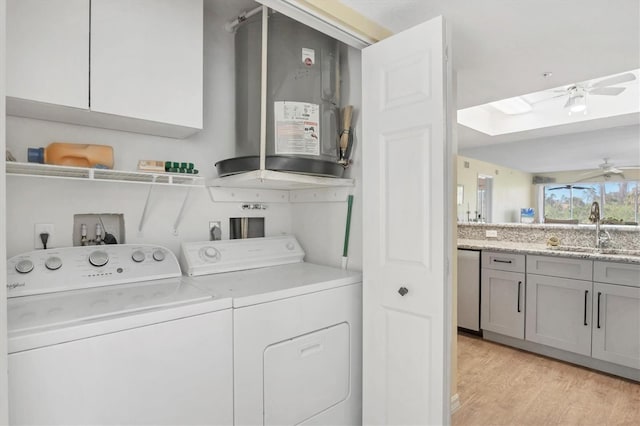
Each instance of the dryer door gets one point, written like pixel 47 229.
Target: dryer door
pixel 306 375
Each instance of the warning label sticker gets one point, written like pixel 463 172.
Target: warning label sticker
pixel 297 128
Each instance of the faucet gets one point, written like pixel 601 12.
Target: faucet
pixel 594 217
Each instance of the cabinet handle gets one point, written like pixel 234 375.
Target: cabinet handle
pixel 586 294
pixel 502 261
pixel 519 284
pixel 598 316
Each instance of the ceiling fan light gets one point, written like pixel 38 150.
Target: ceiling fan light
pixel 577 103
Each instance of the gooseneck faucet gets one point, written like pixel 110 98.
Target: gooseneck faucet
pixel 594 217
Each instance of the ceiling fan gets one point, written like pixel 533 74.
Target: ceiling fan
pixel 606 170
pixel 577 93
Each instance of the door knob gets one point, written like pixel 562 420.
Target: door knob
pixel 403 291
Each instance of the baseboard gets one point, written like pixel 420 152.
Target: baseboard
pixel 573 358
pixel 455 403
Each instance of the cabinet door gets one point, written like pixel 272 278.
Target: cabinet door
pixel 559 313
pixel 616 324
pixel 48 51
pixel 146 60
pixel 503 302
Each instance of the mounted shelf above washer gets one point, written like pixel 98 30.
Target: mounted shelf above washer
pixel 269 185
pixel 115 176
pixel 101 175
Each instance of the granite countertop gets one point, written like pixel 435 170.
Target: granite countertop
pixel 611 255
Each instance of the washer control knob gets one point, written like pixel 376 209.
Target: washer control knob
pixel 24 266
pixel 53 263
pixel 290 246
pixel 138 256
pixel 98 258
pixel 158 255
pixel 211 253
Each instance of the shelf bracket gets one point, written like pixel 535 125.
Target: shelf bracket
pixel 181 212
pixel 145 211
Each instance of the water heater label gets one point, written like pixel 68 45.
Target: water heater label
pixel 297 128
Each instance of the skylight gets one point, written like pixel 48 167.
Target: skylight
pixel 583 101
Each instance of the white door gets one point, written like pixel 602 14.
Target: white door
pixel 407 184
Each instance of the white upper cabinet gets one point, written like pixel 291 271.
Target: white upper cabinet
pixel 48 51
pixel 118 64
pixel 146 59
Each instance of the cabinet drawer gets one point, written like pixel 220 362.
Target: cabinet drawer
pixel 616 273
pixel 565 267
pixel 503 261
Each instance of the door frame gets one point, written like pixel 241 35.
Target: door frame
pixel 4 399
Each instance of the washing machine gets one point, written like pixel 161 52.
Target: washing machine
pixel 113 335
pixel 297 330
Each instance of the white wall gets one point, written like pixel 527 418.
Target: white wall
pixel 46 200
pixel 4 411
pixel 512 190
pixel 320 227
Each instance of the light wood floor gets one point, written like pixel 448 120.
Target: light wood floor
pixel 498 385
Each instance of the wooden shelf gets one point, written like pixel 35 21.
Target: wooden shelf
pixel 102 175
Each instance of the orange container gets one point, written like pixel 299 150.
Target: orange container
pixel 73 154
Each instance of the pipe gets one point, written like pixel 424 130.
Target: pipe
pixel 231 26
pixel 263 91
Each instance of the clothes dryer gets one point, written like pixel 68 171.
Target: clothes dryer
pixel 297 330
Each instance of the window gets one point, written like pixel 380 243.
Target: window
pixel 618 201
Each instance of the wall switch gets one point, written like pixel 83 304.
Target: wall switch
pixel 491 233
pixel 41 228
pixel 215 230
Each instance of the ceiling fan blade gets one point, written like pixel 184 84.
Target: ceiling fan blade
pixel 560 187
pixel 568 102
pixel 546 99
pixel 608 91
pixel 622 78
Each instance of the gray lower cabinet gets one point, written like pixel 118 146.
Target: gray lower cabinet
pixel 502 297
pixel 616 324
pixel 558 313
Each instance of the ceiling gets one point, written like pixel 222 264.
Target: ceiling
pixel 501 48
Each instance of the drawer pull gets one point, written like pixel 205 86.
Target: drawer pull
pixel 586 295
pixel 598 315
pixel 502 261
pixel 519 285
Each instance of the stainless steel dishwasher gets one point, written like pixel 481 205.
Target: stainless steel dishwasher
pixel 469 290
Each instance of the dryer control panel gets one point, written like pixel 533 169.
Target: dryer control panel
pixel 70 268
pixel 212 257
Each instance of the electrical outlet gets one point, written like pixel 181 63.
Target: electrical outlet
pixel 41 228
pixel 491 233
pixel 215 230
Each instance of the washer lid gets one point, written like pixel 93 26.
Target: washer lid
pixel 47 312
pixel 262 285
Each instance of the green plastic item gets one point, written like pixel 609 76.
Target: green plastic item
pixel 348 227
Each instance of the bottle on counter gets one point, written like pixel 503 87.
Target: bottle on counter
pixel 73 154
